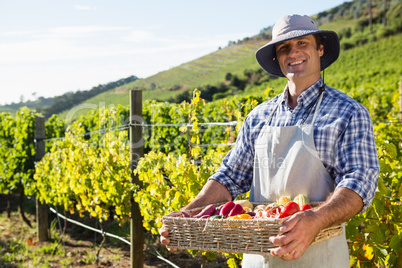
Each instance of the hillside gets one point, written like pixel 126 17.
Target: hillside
pixel 49 106
pixel 233 70
pixel 358 27
pixel 209 69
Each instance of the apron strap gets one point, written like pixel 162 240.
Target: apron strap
pixel 319 103
pixel 322 89
pixel 273 111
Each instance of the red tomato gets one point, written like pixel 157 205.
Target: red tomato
pixel 271 210
pixel 289 209
pixel 305 207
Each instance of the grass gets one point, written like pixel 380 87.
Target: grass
pixel 20 248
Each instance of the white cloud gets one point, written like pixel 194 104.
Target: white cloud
pixel 138 36
pixel 82 7
pixel 77 31
pixel 66 43
pixel 17 33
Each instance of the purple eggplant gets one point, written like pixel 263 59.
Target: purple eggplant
pixel 218 210
pixel 251 213
pixel 207 211
pixel 185 215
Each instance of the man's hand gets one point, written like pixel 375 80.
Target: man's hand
pixel 298 232
pixel 163 231
pixel 164 238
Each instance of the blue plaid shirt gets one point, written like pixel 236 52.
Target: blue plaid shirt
pixel 343 136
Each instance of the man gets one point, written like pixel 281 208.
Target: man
pixel 311 139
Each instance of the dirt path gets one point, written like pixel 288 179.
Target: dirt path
pixel 19 247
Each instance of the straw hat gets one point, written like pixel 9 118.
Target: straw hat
pixel 294 26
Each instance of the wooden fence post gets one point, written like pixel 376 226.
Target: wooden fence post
pixel 42 210
pixel 136 151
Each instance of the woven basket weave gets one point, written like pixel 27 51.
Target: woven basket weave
pixel 229 235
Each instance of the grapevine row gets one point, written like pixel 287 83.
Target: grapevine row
pixel 90 173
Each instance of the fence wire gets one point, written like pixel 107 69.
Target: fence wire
pixel 157 254
pixel 127 126
pixel 231 123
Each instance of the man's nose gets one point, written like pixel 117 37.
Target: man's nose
pixel 293 50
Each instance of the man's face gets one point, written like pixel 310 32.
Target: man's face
pixel 299 58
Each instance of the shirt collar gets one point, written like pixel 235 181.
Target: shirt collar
pixel 307 96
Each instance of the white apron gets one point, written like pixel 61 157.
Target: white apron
pixel 287 163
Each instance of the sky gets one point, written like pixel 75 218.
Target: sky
pixel 50 47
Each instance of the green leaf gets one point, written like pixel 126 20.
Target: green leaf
pixel 384 190
pixel 378 207
pixel 381 250
pixel 384 167
pixel 400 190
pixel 396 243
pixel 390 148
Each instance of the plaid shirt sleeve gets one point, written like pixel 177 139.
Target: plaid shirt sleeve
pixel 356 159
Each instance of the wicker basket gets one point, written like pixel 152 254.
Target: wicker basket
pixel 229 235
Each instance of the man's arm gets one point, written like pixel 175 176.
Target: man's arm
pixel 212 192
pixel 341 206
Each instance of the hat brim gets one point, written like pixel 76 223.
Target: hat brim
pixel 266 55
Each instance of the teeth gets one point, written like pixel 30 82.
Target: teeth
pixel 294 63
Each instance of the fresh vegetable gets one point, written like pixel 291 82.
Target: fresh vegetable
pixel 247 205
pixel 185 215
pixel 283 200
pixel 301 199
pixel 305 207
pixel 207 211
pixel 259 208
pixel 272 211
pixel 217 217
pixel 289 209
pixel 247 209
pixel 236 210
pixel 218 210
pixel 227 208
pixel 243 209
pixel 251 213
pixel 259 214
pixel 241 217
pixel 271 207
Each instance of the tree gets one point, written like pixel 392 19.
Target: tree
pixel 228 77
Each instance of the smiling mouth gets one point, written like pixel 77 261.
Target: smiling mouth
pixel 296 63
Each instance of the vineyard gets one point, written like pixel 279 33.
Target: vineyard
pixel 89 163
